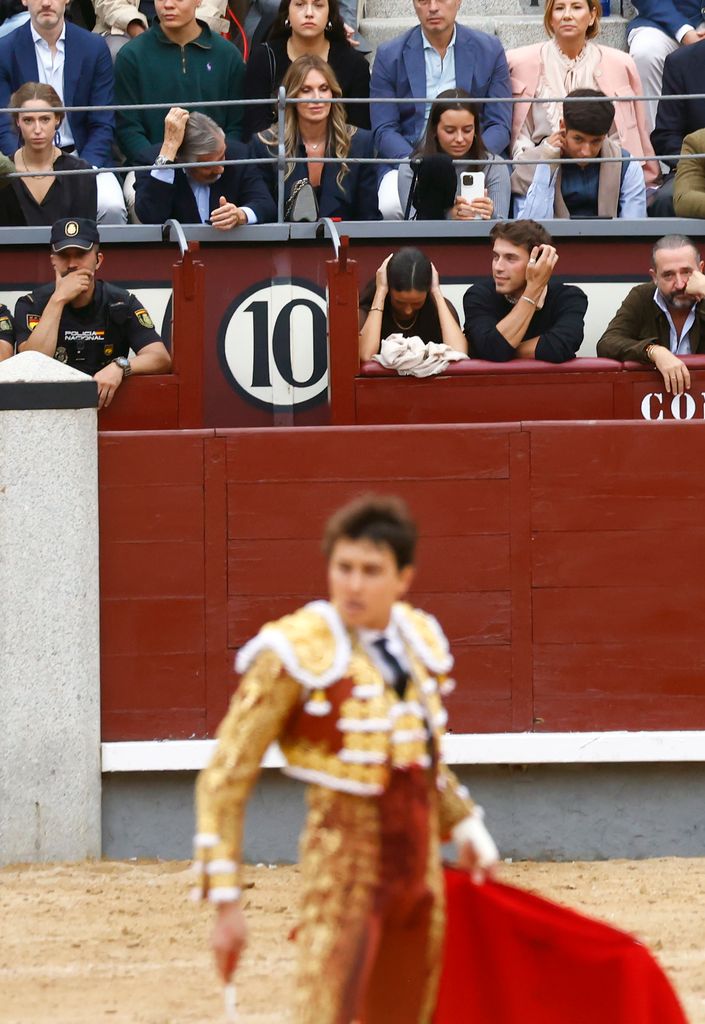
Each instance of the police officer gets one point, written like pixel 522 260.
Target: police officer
pixel 88 324
pixel 7 333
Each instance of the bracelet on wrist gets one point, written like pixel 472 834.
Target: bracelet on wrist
pixel 649 353
pixel 527 299
pixel 377 309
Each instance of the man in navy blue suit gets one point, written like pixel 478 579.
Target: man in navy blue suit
pixel 77 64
pixel 436 54
pixel 683 73
pixel 224 196
pixel 659 28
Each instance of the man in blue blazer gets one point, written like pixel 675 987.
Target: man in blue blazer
pixel 436 54
pixel 224 196
pixel 77 64
pixel 659 28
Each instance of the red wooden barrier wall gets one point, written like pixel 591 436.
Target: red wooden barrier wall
pixel 564 560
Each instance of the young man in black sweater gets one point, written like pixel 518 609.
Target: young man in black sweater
pixel 521 313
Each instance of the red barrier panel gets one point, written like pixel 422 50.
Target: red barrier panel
pixel 552 553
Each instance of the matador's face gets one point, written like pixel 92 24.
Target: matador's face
pixel 364 581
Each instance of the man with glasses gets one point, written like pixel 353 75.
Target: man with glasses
pixel 436 54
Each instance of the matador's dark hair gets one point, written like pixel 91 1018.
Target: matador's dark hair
pixel 378 518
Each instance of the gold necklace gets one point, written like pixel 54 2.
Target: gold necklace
pixel 34 171
pixel 406 327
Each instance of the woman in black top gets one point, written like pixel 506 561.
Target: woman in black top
pixel 305 27
pixel 44 198
pixel 406 298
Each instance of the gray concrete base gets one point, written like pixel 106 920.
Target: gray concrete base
pixel 544 812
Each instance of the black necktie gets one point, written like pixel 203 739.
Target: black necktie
pixel 400 677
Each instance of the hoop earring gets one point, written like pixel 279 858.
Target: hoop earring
pixel 57 139
pixel 329 26
pixel 287 23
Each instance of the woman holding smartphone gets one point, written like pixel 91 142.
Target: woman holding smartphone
pixel 452 135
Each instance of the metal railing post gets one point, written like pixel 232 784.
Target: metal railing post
pixel 281 161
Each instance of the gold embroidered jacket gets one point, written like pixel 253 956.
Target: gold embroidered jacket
pixel 310 684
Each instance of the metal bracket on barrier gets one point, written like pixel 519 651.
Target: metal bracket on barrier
pixel 175 226
pixel 326 222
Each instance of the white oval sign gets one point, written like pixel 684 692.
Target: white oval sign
pixel 273 344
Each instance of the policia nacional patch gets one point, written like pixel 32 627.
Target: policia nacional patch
pixel 144 318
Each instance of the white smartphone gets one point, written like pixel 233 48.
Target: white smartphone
pixel 472 185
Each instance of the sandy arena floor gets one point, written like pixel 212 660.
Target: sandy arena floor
pixel 119 942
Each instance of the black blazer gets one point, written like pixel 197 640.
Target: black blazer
pixel 357 200
pixel 156 201
pixel 268 64
pixel 683 72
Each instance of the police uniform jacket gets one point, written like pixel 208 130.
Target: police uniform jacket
pixel 91 336
pixel 310 684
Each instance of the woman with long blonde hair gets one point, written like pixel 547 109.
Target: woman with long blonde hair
pixel 316 128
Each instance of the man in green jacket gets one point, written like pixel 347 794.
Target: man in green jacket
pixel 659 322
pixel 179 60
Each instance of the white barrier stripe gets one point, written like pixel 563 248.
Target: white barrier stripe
pixel 616 747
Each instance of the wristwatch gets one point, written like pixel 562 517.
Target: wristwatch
pixel 163 161
pixel 124 363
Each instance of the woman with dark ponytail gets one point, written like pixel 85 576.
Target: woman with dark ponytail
pixel 406 298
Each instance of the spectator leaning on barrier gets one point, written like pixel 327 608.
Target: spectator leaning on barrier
pixel 665 319
pixel 222 196
pixel 521 312
pixel 683 74
pixel 659 28
pixel 77 64
pixel 405 298
pixel 7 333
pixel 178 59
pixel 582 189
pixel 571 59
pixel 435 55
pixel 89 324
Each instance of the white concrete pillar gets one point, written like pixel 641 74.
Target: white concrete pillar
pixel 49 613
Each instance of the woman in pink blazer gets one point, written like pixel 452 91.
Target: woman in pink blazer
pixel 570 59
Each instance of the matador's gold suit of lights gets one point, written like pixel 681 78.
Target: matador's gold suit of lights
pixel 379 801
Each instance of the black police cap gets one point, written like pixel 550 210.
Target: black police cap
pixel 74 233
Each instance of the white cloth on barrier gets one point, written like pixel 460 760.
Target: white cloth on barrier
pixel 411 357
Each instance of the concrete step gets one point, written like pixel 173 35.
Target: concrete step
pixel 513 30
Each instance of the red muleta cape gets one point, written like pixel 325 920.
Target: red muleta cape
pixel 515 958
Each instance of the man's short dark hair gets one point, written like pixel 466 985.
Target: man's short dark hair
pixel 380 519
pixel 674 242
pixel 592 118
pixel 525 233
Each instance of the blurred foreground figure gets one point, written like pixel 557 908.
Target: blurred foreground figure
pixel 351 688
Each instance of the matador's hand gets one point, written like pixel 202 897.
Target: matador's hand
pixel 229 938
